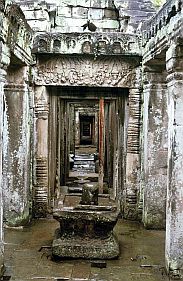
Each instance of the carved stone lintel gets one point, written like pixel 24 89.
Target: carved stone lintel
pixel 87 43
pixel 78 71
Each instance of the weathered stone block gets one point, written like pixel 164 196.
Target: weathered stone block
pixel 96 14
pixel 86 231
pixel 40 25
pixel 69 23
pixel 106 24
pixel 85 3
pixel 80 12
pixel 90 194
pixel 79 247
pixel 64 11
pixel 97 3
pixel 36 14
pixel 68 3
pixel 111 14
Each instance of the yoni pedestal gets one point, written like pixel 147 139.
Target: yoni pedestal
pixel 86 231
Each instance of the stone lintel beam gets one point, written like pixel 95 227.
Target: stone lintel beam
pixel 174 218
pixel 87 43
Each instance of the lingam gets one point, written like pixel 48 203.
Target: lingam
pixel 86 225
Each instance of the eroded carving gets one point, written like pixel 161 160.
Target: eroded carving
pixel 85 72
pixel 40 189
pixel 18 28
pixel 86 47
pixel 88 43
pixel 2 5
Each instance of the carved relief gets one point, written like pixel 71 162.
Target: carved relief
pixel 89 43
pixel 40 190
pixel 71 43
pixel 134 121
pixel 2 5
pixel 41 105
pixel 116 48
pixel 56 45
pixel 102 47
pixel 86 47
pixel 41 161
pixel 18 28
pixel 84 72
pixel 43 45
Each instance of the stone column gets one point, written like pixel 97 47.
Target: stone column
pixel 132 159
pixel 16 147
pixel 2 82
pixel 155 149
pixel 101 144
pixel 77 127
pixel 72 129
pixel 40 193
pixel 174 219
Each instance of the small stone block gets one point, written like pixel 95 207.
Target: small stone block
pixel 81 271
pixel 99 264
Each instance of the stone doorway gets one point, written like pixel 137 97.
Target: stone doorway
pixel 75 109
pixel 86 129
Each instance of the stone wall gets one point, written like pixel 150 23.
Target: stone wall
pixel 70 15
pixel 162 122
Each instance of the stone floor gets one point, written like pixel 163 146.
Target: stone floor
pixel 141 258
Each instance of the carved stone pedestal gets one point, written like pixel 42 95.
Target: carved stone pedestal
pixel 86 231
pixel 88 248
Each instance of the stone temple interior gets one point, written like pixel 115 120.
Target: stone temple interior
pixel 91 124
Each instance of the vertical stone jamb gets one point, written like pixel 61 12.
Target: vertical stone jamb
pixel 72 129
pixel 40 204
pixel 16 147
pixel 155 120
pixel 101 144
pixel 2 83
pixel 174 218
pixel 77 127
pixel 132 159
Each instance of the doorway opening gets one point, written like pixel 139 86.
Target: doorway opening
pixel 88 137
pixel 86 129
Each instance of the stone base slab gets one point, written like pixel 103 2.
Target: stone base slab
pixel 85 247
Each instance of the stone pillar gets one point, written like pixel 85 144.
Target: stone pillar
pixel 132 159
pixel 77 127
pixel 72 129
pixel 174 219
pixel 101 144
pixel 2 82
pixel 155 149
pixel 16 147
pixel 40 193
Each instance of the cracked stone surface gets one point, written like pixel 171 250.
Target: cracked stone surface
pixel 141 257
